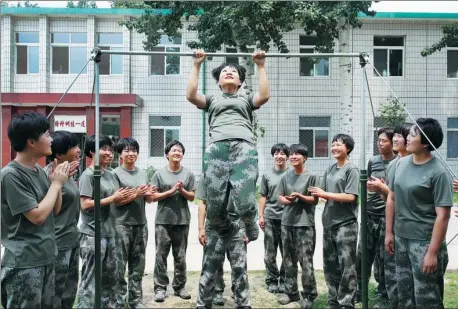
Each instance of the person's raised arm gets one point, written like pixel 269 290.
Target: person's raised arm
pixel 263 94
pixel 192 95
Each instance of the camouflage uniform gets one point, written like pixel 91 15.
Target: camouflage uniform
pixel 415 288
pixel 231 170
pixel 86 288
pixel 22 283
pixel 304 239
pixel 175 236
pixel 67 272
pixel 272 241
pixel 132 241
pixel 391 282
pixel 211 277
pixel 339 260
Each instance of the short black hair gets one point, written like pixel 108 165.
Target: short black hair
pixel 388 132
pixel 127 142
pixel 62 142
pixel 171 144
pixel 432 129
pixel 346 139
pixel 279 147
pixel 89 146
pixel 300 149
pixel 216 72
pixel 403 129
pixel 29 125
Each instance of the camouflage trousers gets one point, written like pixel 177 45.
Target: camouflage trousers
pixel 175 236
pixel 211 276
pixel 28 287
pixel 67 273
pixel 131 250
pixel 391 281
pixel 415 288
pixel 299 247
pixel 339 263
pixel 86 287
pixel 272 242
pixel 375 255
pixel 230 172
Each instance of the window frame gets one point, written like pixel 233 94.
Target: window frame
pixel 170 45
pixel 16 44
pixel 451 48
pixel 312 47
pixel 451 130
pixel 388 48
pixel 163 128
pixel 314 129
pixel 112 47
pixel 69 45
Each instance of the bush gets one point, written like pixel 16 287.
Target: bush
pixel 150 172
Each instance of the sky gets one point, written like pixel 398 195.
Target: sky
pixel 382 6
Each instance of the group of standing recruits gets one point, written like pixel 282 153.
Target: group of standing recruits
pixel 41 208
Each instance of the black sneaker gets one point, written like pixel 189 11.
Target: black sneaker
pixel 286 299
pixel 272 288
pixel 281 288
pixel 218 299
pixel 159 296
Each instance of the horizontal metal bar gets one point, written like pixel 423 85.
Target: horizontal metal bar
pixel 183 54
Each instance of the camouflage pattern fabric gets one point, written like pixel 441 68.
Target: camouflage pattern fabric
pixel 211 277
pixel 175 237
pixel 391 282
pixel 28 287
pixel 272 242
pixel 339 263
pixel 67 275
pixel 375 255
pixel 86 289
pixel 131 248
pixel 231 170
pixel 415 288
pixel 299 247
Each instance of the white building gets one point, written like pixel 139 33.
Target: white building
pixel 43 50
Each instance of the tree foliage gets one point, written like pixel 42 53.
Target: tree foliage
pixel 26 4
pixel 392 113
pixel 449 38
pixel 81 4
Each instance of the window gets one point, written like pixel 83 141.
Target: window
pixel 251 70
pixel 166 65
pixel 163 130
pixel 452 138
pixel 452 60
pixel 314 133
pixel 110 64
pixel 111 126
pixel 27 53
pixel 69 53
pixel 307 66
pixel 388 55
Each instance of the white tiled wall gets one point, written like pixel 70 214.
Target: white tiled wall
pixel 424 87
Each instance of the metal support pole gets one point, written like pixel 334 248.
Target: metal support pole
pixel 363 181
pixel 97 176
pixel 204 125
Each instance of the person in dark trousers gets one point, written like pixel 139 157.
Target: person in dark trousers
pixel 30 199
pixel 270 214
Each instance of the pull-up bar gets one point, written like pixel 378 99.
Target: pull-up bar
pixel 270 55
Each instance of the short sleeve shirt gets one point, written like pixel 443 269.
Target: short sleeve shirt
pixel 377 167
pixel 26 244
pixel 269 189
pixel 343 179
pixel 230 116
pixel 173 210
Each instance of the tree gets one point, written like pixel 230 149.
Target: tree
pixel 26 4
pixel 392 113
pixel 450 38
pixel 81 4
pixel 261 23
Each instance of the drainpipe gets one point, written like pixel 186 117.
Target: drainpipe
pixel 204 128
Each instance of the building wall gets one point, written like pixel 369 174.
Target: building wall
pixel 424 87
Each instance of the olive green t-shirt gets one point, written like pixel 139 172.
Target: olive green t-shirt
pixel 269 189
pixel 390 170
pixel 377 167
pixel 340 180
pixel 66 222
pixel 26 244
pixel 107 188
pixel 174 209
pixel 230 116
pixel 418 190
pixel 297 213
pixel 134 212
